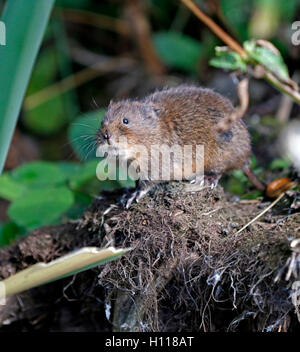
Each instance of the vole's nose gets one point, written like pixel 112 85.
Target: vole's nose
pixel 107 136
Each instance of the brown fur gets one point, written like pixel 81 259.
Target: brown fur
pixel 185 115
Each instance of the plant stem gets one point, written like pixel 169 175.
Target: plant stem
pixel 266 74
pixel 282 87
pixel 234 45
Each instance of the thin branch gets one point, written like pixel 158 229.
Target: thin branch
pixel 271 78
pixel 234 45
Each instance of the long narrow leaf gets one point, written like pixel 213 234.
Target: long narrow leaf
pixel 70 264
pixel 25 23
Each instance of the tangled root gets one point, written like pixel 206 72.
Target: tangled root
pixel 188 271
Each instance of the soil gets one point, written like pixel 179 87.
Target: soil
pixel 188 270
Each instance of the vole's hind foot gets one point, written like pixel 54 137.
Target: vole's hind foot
pixel 211 180
pixel 201 182
pixel 198 180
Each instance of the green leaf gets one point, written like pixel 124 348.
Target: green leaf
pixel 271 60
pixel 53 111
pixel 238 174
pixel 74 3
pixel 69 168
pixel 253 162
pixel 44 70
pixel 38 174
pixel 9 231
pixel 235 186
pixel 280 164
pixel 82 134
pixel 9 188
pixel 86 172
pixel 127 183
pixel 25 25
pixel 40 206
pixel 81 202
pixel 178 50
pixel 229 61
pixel 236 13
pixel 288 9
pixel 54 117
pixel 78 174
pixel 83 177
pixel 252 195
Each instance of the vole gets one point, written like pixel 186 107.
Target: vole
pixel 184 115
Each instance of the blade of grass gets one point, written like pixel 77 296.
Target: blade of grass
pixel 25 23
pixel 70 264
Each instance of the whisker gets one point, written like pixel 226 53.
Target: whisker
pixel 95 103
pixel 91 149
pixel 84 137
pixel 82 124
pixel 87 146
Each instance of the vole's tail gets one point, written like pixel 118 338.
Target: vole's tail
pixel 253 178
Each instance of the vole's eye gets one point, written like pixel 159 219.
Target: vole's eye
pixel 125 121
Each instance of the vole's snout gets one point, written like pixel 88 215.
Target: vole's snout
pixel 106 135
pixel 103 135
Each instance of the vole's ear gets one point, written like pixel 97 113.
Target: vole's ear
pixel 152 111
pixel 110 103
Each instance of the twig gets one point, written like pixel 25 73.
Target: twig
pixel 262 71
pixel 261 214
pixel 284 88
pixel 234 45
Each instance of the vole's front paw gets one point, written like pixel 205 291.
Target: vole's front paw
pixel 128 201
pixel 128 198
pixel 142 189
